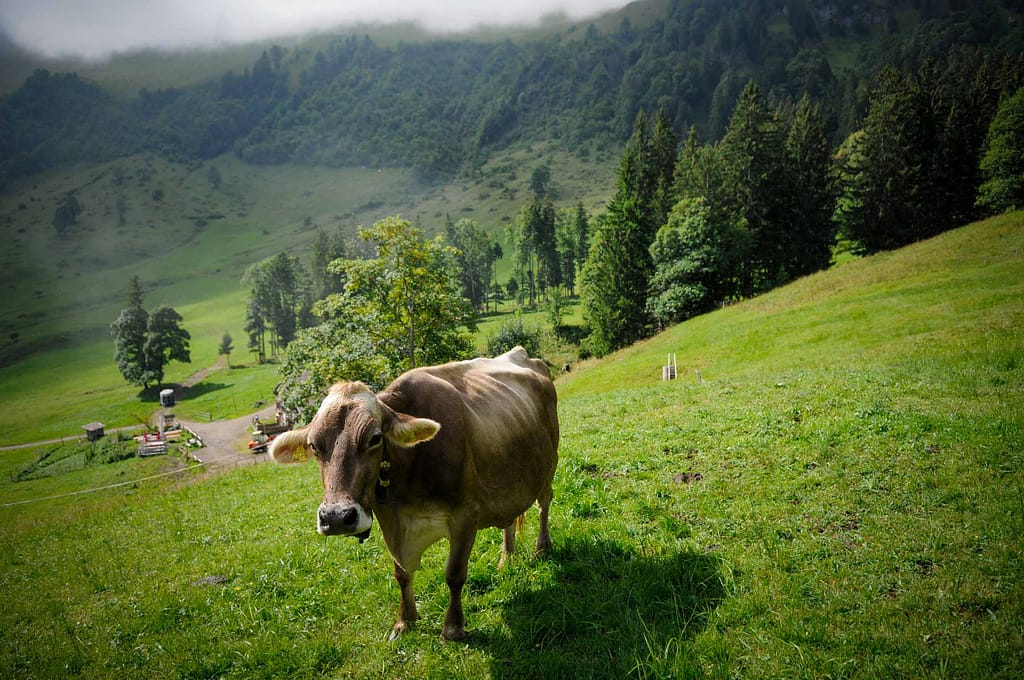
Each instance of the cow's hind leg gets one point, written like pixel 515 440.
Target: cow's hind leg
pixel 461 544
pixel 544 537
pixel 508 538
pixel 508 544
pixel 407 613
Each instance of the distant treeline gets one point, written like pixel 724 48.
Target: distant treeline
pixel 441 106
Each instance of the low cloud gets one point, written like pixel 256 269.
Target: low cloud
pixel 96 29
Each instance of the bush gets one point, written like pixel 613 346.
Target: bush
pixel 512 333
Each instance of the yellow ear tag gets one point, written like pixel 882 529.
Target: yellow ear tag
pixel 301 454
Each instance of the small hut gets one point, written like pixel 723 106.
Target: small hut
pixel 93 431
pixel 167 397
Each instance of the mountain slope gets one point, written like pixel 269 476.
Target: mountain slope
pixel 840 497
pixel 441 106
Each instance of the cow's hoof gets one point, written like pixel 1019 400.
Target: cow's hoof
pixel 453 633
pixel 398 630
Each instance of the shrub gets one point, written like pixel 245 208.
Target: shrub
pixel 512 333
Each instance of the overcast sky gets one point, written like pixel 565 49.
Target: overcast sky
pixel 95 28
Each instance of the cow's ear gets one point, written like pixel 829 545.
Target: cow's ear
pixel 405 431
pixel 290 447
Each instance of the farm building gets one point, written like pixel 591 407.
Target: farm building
pixel 93 431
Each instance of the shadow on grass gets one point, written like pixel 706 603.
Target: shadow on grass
pixel 152 394
pixel 204 388
pixel 608 610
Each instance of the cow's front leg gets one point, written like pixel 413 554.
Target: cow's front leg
pixel 407 604
pixel 455 576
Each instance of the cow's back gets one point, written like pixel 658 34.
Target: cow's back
pixel 498 443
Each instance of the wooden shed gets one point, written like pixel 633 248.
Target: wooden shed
pixel 93 431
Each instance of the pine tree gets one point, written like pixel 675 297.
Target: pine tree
pixel 756 187
pixel 476 257
pixel 879 210
pixel 661 168
pixel 279 302
pixel 326 248
pixel 581 235
pixel 700 173
pixel 615 276
pixel 811 233
pixel 129 331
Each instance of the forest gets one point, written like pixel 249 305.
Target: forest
pixel 442 105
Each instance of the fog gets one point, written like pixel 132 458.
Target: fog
pixel 94 29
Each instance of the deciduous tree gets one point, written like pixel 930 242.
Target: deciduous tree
pixel 1003 161
pixel 400 309
pixel 226 347
pixel 477 253
pixel 696 256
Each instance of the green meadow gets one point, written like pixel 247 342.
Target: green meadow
pixel 840 494
pixel 190 243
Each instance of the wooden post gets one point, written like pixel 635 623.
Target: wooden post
pixel 668 371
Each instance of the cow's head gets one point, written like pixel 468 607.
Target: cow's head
pixel 350 437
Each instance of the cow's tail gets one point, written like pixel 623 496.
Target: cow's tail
pixel 520 523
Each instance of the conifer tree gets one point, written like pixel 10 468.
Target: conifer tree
pixel 882 197
pixel 756 186
pixel 811 233
pixel 129 331
pixel 279 302
pixel 661 168
pixel 615 276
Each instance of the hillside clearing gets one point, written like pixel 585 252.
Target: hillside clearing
pixel 842 496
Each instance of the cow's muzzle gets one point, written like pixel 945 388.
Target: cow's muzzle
pixel 343 519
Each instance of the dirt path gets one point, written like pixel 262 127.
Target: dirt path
pixel 226 441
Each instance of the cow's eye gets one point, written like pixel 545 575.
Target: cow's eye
pixel 375 439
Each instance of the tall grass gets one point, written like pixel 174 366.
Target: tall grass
pixel 842 496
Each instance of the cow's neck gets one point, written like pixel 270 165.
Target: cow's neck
pixel 383 490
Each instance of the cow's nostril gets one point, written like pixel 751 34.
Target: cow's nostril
pixel 338 518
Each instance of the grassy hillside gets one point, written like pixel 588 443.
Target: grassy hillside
pixel 189 248
pixel 842 496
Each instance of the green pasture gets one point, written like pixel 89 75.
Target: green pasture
pixel 189 244
pixel 841 495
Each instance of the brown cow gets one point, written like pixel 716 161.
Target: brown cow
pixel 442 452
